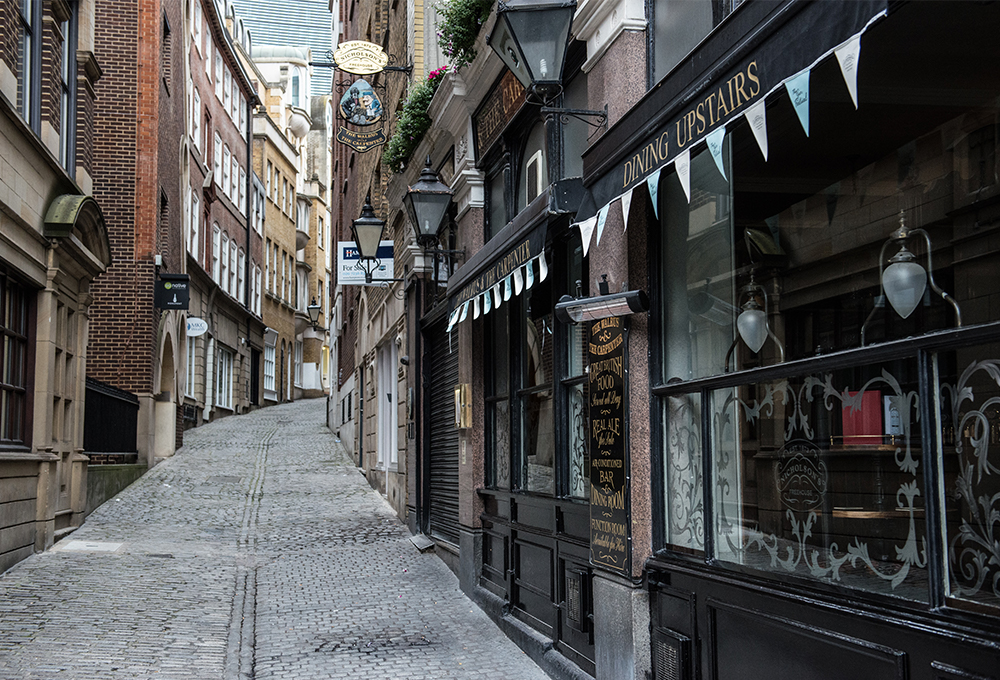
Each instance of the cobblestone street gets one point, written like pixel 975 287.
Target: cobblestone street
pixel 257 551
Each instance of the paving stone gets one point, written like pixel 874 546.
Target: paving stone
pixel 256 552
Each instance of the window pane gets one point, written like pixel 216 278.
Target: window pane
pixel 538 435
pixel 498 211
pixel 679 26
pixel 699 296
pixel 579 452
pixel 685 526
pixel 970 433
pixel 820 476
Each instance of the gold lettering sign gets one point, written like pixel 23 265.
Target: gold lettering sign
pixel 360 57
pixel 715 108
pixel 361 141
pixel 498 272
pixel 497 109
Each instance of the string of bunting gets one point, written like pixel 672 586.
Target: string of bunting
pixel 797 86
pixel 521 279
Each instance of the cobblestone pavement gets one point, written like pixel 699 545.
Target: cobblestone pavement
pixel 257 551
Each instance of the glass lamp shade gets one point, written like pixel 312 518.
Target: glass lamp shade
pixel 314 310
pixel 752 326
pixel 904 282
pixel 367 231
pixel 531 38
pixel 426 203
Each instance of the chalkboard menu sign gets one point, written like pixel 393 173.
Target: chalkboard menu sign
pixel 609 492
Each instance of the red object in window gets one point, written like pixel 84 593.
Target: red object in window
pixel 863 427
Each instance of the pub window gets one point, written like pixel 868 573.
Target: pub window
pixel 818 467
pixel 498 422
pixel 497 208
pixel 678 27
pixel 15 360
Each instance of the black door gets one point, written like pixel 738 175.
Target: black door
pixel 443 454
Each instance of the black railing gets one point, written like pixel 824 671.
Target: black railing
pixel 110 420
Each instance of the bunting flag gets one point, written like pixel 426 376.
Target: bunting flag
pixel 529 275
pixel 626 207
pixel 487 302
pixel 653 184
pixel 465 312
pixel 519 281
pixel 543 268
pixel 714 142
pixel 602 217
pixel 757 117
pixel 683 166
pixel 475 307
pixel 798 92
pixel 496 295
pixel 506 289
pixel 453 319
pixel 586 232
pixel 847 55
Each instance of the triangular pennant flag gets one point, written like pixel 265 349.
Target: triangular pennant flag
pixel 847 55
pixel 452 320
pixel 496 295
pixel 543 268
pixel 798 92
pixel 602 217
pixel 475 307
pixel 683 165
pixel 529 275
pixel 465 312
pixel 757 117
pixel 487 302
pixel 506 289
pixel 519 281
pixel 626 206
pixel 714 142
pixel 653 184
pixel 586 232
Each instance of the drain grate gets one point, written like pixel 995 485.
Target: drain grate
pixel 371 642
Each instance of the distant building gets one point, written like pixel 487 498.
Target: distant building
pixel 295 23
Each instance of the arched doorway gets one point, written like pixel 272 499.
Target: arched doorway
pixel 165 407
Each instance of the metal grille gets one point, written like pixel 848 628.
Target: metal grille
pixel 444 437
pixel 574 605
pixel 671 655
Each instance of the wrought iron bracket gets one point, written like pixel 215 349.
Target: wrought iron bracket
pixel 584 115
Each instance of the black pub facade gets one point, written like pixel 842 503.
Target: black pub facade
pixel 789 467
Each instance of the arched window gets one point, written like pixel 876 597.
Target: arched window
pixel 534 174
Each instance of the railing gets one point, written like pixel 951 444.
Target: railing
pixel 110 420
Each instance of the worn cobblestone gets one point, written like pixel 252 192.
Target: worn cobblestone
pixel 256 552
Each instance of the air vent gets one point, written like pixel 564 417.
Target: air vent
pixel 574 605
pixel 671 655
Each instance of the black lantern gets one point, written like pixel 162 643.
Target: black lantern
pixel 427 202
pixel 367 232
pixel 531 37
pixel 314 310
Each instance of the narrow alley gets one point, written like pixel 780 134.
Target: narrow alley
pixel 256 551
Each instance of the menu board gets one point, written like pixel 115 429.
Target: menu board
pixel 609 492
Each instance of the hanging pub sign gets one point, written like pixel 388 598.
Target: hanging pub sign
pixel 172 291
pixel 361 141
pixel 360 105
pixel 360 57
pixel 610 536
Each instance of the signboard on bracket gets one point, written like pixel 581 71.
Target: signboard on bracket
pixel 360 57
pixel 349 271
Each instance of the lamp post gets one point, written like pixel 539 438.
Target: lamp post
pixel 314 310
pixel 427 203
pixel 367 231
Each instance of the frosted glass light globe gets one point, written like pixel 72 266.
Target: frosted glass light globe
pixel 904 282
pixel 752 325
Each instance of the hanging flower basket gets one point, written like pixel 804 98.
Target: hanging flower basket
pixel 412 122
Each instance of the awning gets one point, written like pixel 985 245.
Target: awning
pixel 513 261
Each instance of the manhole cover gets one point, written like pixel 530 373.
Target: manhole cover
pixel 90 546
pixel 370 641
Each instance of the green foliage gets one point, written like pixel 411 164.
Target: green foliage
pixel 458 27
pixel 412 122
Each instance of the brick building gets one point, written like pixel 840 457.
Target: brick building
pixel 139 121
pixel 53 242
pixel 223 232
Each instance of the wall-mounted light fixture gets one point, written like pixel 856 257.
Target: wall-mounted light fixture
pixel 904 281
pixel 367 231
pixel 576 309
pixel 314 310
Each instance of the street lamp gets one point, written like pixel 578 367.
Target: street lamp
pixel 367 232
pixel 314 310
pixel 426 203
pixel 531 37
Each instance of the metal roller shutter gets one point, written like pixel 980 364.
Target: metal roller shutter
pixel 443 511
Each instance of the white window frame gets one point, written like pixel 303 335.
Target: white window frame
pixel 219 68
pixel 227 168
pixel 243 116
pixel 298 363
pixel 270 352
pixel 195 224
pixel 196 118
pixel 233 277
pixel 208 54
pixel 234 177
pixel 223 280
pixel 257 282
pixel 192 356
pixel 224 379
pixel 217 159
pixel 216 249
pixel 196 25
pixel 241 191
pixel 227 91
